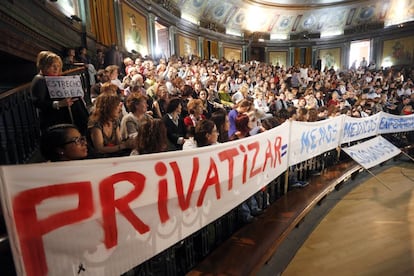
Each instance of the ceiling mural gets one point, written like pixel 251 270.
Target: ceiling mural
pixel 290 17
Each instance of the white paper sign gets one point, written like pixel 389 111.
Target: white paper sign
pixel 64 86
pixel 372 152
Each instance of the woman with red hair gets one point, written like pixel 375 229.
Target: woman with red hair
pixel 195 109
pixel 242 127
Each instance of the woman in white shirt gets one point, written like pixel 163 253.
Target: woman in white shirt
pixel 204 134
pixel 137 107
pixel 260 103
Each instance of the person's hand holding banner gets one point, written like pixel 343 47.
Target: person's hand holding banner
pixel 67 102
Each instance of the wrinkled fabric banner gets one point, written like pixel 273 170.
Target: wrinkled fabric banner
pixel 106 216
pixel 372 152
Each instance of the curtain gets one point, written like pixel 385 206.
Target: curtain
pixel 103 21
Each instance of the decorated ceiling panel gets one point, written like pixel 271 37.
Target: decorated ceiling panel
pixel 297 16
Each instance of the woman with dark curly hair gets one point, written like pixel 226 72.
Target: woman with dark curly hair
pixel 176 131
pixel 104 129
pixel 151 137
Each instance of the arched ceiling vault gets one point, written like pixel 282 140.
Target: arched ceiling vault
pixel 295 18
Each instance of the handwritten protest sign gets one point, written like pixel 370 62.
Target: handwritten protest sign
pixel 359 128
pixel 311 139
pixel 64 86
pixel 372 152
pixel 390 123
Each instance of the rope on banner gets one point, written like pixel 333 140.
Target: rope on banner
pixel 379 180
pixel 406 154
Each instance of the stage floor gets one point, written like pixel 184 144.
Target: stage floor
pixel 370 231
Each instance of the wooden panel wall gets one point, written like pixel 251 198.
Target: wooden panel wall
pixel 302 56
pixel 210 49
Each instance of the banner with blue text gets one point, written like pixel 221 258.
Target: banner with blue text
pixel 311 139
pixel 372 152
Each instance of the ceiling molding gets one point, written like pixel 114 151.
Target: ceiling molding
pixel 302 4
pixel 291 17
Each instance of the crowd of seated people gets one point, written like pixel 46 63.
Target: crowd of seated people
pixel 181 94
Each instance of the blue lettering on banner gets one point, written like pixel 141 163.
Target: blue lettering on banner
pixel 284 149
pixel 371 153
pixel 352 129
pixel 403 123
pixel 316 137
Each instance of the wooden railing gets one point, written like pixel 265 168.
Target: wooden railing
pixel 19 142
pixel 19 128
pixel 19 122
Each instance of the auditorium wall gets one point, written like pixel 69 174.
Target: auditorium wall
pixel 398 51
pixel 28 27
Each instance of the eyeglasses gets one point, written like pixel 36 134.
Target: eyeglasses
pixel 77 141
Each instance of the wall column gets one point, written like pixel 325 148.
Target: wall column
pixel 118 24
pixel 220 50
pixel 244 53
pixel 171 38
pixel 84 15
pixel 291 58
pixel 201 47
pixel 345 55
pixel 376 50
pixel 151 33
pixel 314 57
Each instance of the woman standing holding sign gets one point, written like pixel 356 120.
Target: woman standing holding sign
pixel 55 110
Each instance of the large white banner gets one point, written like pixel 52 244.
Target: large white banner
pixel 372 152
pixel 393 123
pixel 311 139
pixel 106 216
pixel 359 128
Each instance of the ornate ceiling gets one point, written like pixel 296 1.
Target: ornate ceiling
pixel 296 18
